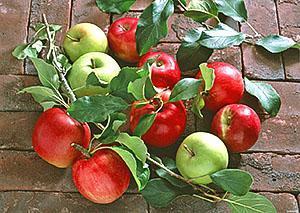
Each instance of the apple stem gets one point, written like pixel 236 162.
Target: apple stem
pixel 122 27
pixel 93 63
pixel 79 148
pixel 72 38
pixel 189 150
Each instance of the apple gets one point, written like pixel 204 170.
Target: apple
pixel 200 155
pixel 103 178
pixel 169 123
pixel 238 126
pixel 228 86
pixel 84 38
pixel 121 39
pixel 53 134
pixel 103 65
pixel 165 72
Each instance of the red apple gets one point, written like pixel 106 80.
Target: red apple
pixel 169 123
pixel 53 134
pixel 228 86
pixel 103 178
pixel 238 126
pixel 121 39
pixel 165 72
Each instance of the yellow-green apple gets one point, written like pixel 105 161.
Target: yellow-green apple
pixel 84 38
pixel 228 87
pixel 165 72
pixel 200 155
pixel 103 65
pixel 121 39
pixel 53 134
pixel 238 126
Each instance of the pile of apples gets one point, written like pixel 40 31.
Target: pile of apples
pixel 102 176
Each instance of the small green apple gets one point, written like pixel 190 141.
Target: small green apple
pixel 103 65
pixel 200 155
pixel 84 38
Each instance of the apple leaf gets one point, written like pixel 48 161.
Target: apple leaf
pixel 93 80
pixel 159 193
pixel 144 124
pixel 197 105
pixel 137 88
pixel 235 9
pixel 266 94
pixel 202 10
pixel 276 43
pixel 235 181
pixel 41 32
pixel 47 73
pixel 96 108
pixel 192 51
pixel 152 25
pixel 177 2
pixel 139 171
pixel 208 76
pixel 135 144
pixel 64 63
pixel 250 203
pixel 220 37
pixel 185 89
pixel 114 6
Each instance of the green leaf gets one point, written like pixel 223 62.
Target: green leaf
pixel 266 94
pixel 27 50
pixel 144 124
pixel 114 6
pixel 192 51
pixel 137 88
pixel 208 75
pixel 185 89
pixel 276 43
pixel 152 25
pixel 19 51
pixel 149 89
pixel 250 203
pixel 296 46
pixel 235 181
pixel 201 10
pixel 197 105
pixel 177 2
pixel 135 144
pixel 63 63
pixel 96 108
pixel 138 171
pixel 48 104
pixel 220 37
pixel 159 193
pixel 47 73
pixel 41 32
pixel 93 80
pixel 233 8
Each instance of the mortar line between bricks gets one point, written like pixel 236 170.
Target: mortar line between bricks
pixel 276 192
pixel 71 13
pixel 27 34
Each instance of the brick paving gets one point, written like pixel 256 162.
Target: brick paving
pixel 29 184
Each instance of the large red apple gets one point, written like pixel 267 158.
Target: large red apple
pixel 121 39
pixel 228 86
pixel 165 72
pixel 238 126
pixel 103 178
pixel 169 123
pixel 53 134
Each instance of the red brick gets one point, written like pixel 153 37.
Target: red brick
pixel 273 172
pixel 20 129
pixel 230 55
pixel 14 19
pixel 65 202
pixel 10 100
pixel 283 202
pixel 258 63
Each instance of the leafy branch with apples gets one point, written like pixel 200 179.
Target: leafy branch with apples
pixel 108 122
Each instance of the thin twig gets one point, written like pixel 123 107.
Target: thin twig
pixel 257 34
pixel 182 5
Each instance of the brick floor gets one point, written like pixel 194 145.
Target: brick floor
pixel 27 183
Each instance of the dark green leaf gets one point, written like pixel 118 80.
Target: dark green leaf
pixel 96 108
pixel 266 94
pixel 185 89
pixel 192 51
pixel 202 10
pixel 135 144
pixel 276 43
pixel 47 73
pixel 93 80
pixel 235 181
pixel 143 174
pixel 222 36
pixel 197 105
pixel 177 2
pixel 152 25
pixel 114 6
pixel 233 8
pixel 250 203
pixel 144 124
pixel 159 193
pixel 149 89
pixel 208 76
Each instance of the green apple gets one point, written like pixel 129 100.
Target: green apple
pixel 84 38
pixel 103 65
pixel 200 155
